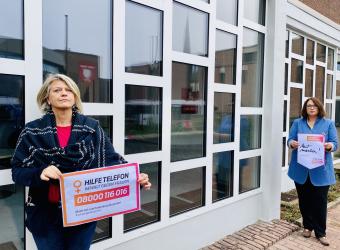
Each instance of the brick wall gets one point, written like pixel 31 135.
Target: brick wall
pixel 328 8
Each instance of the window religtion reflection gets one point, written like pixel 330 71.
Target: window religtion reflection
pixel 320 82
pixel 330 59
pixel 12 33
pixel 78 42
pixel 255 10
pixel 297 44
pixel 250 132
pixel 296 74
pixel 329 88
pixel 321 53
pixel 223 169
pixel 189 30
pixel 308 83
pixel 188 111
pixel 250 169
pixel 226 11
pixel 143 40
pixel 310 52
pixel 142 119
pixel 295 105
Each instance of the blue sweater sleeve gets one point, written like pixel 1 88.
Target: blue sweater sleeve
pixel 293 132
pixel 332 136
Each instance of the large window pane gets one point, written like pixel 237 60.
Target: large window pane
pixel 150 199
pixel 77 41
pixel 12 117
pixel 252 68
pixel 329 88
pixel 320 82
pixel 224 112
pixel 329 110
pixel 297 44
pixel 188 111
pixel 284 116
pixel 295 105
pixel 226 11
pixel 321 53
pixel 309 83
pixel 284 151
pixel 12 217
pixel 222 179
pixel 189 30
pixel 12 29
pixel 187 190
pixel 296 73
pixel 255 10
pixel 143 39
pixel 286 79
pixel 249 174
pixel 142 119
pixel 225 57
pixel 310 52
pixel 330 59
pixel 250 132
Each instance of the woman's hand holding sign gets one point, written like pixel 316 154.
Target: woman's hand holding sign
pixel 143 180
pixel 50 172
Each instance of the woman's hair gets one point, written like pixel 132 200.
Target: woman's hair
pixel 317 103
pixel 45 90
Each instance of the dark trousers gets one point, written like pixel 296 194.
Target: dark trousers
pixel 313 206
pixel 66 238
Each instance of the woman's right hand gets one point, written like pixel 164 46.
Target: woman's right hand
pixel 51 172
pixel 294 144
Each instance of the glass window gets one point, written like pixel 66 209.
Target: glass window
pixel 330 59
pixel 287 43
pixel 309 83
pixel 150 199
pixel 143 39
pixel 255 10
pixel 329 88
pixel 296 73
pixel 321 53
pixel 252 68
pixel 295 104
pixel 310 52
pixel 284 151
pixel 320 82
pixel 336 154
pixel 78 42
pixel 142 119
pixel 329 110
pixel 249 174
pixel 338 63
pixel 187 190
pixel 224 117
pixel 250 132
pixel 12 118
pixel 225 57
pixel 222 178
pixel 284 116
pixel 188 111
pixel 12 217
pixel 226 11
pixel 297 44
pixel 286 78
pixel 12 29
pixel 189 30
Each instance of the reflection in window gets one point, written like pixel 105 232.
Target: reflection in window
pixel 287 43
pixel 330 59
pixel 252 68
pixel 310 52
pixel 225 58
pixel 250 132
pixel 143 39
pixel 320 82
pixel 321 53
pixel 226 11
pixel 284 151
pixel 77 42
pixel 224 112
pixel 12 217
pixel 189 30
pixel 284 115
pixel 297 44
pixel 12 29
pixel 286 78
pixel 249 174
pixel 338 63
pixel 296 73
pixel 329 110
pixel 188 111
pixel 295 105
pixel 150 200
pixel 309 83
pixel 329 88
pixel 336 154
pixel 142 119
pixel 187 190
pixel 222 178
pixel 255 10
pixel 12 117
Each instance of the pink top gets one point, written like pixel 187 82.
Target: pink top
pixel 64 134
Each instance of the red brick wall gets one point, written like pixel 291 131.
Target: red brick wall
pixel 328 8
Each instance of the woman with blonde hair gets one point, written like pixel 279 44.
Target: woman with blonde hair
pixel 62 141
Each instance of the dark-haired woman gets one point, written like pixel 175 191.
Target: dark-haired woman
pixel 312 185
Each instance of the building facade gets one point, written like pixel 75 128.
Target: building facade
pixel 200 93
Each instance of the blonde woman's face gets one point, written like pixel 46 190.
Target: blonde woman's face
pixel 60 96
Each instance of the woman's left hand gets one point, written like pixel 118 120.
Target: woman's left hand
pixel 143 180
pixel 328 146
